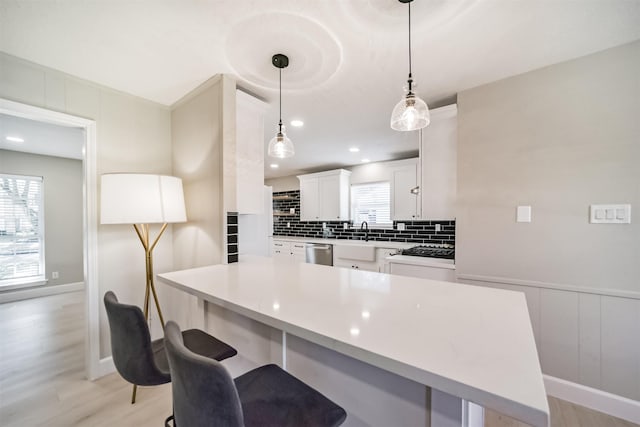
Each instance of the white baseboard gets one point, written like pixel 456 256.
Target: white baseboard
pixel 40 291
pixel 598 400
pixel 105 367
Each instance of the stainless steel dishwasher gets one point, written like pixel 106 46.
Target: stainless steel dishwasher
pixel 319 253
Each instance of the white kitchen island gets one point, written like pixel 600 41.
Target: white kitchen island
pixel 373 330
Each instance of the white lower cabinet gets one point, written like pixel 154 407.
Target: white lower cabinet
pixel 288 251
pixel 423 271
pixel 356 265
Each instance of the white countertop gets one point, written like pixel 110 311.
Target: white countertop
pixel 472 342
pixel 374 243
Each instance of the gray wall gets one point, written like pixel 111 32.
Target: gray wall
pixel 62 210
pixel 559 139
pixel 133 135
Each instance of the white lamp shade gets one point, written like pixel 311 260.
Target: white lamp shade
pixel 410 113
pixel 129 198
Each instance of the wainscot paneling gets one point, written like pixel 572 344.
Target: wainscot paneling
pixel 586 337
pixel 559 333
pixel 621 346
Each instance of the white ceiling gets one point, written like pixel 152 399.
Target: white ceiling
pixel 41 138
pixel 348 58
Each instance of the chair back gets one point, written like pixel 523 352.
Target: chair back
pixel 204 394
pixel 131 344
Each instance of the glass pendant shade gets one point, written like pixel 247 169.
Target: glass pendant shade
pixel 280 146
pixel 410 113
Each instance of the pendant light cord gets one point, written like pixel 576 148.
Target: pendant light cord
pixel 409 39
pixel 410 81
pixel 280 122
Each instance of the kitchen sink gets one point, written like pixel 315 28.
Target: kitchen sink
pixel 355 252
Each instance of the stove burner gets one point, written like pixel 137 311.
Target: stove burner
pixel 431 251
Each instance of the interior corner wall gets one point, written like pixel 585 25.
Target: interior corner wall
pixel 559 139
pixel 196 132
pixel 62 180
pixel 133 135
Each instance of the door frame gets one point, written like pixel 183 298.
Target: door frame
pixel 94 367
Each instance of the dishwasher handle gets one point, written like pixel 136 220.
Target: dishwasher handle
pixel 319 247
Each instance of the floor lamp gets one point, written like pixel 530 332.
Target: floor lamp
pixel 141 200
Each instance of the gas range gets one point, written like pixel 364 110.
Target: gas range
pixel 431 251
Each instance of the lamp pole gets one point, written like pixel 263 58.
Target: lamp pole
pixel 142 230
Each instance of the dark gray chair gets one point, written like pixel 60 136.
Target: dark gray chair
pixel 204 394
pixel 141 361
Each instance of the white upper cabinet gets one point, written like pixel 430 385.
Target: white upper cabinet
pixel 324 196
pixel 438 156
pixel 405 204
pixel 249 153
pixel 309 199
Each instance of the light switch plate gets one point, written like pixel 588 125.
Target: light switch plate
pixel 610 214
pixel 400 226
pixel 523 214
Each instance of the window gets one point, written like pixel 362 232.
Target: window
pixel 21 229
pixel 371 202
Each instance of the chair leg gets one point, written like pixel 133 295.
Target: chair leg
pixel 133 395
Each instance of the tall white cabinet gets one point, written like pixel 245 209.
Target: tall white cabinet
pixel 324 196
pixel 405 204
pixel 438 158
pixel 249 153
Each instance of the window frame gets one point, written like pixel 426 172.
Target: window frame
pixel 39 278
pixel 370 224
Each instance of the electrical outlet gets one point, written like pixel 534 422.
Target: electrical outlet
pixel 400 226
pixel 324 225
pixel 55 275
pixel 345 225
pixel 438 228
pixel 288 225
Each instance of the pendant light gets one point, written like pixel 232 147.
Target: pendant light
pixel 280 146
pixel 411 112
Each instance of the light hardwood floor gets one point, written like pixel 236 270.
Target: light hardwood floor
pixel 42 377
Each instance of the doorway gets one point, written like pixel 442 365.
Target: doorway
pixel 93 365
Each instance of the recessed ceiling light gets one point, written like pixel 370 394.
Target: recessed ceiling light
pixel 365 160
pixel 274 165
pixel 14 139
pixel 297 123
pixel 354 149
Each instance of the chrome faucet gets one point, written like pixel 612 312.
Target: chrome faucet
pixel 365 226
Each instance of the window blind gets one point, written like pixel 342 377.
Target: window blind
pixel 21 227
pixel 371 202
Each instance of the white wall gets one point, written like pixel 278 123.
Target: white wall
pixel 133 135
pixel 559 139
pixel 370 172
pixel 62 210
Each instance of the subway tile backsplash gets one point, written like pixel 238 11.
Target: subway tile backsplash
pixel 286 222
pixel 232 237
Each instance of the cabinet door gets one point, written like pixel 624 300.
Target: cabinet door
pixel 298 252
pixel 280 249
pixel 309 196
pixel 405 204
pixel 329 190
pixel 381 258
pixel 439 163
